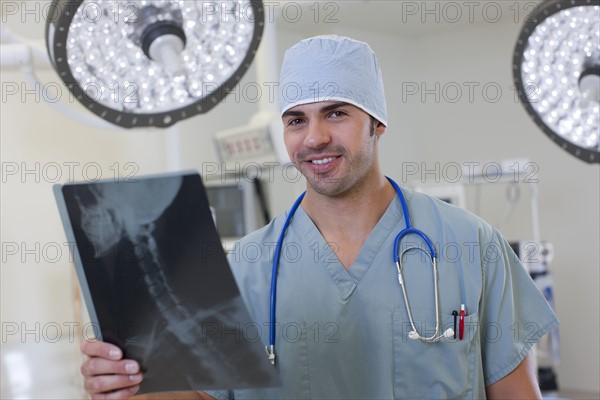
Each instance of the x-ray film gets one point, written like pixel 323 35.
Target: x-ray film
pixel 157 283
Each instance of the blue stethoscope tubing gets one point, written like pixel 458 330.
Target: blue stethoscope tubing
pixel 397 260
pixel 271 348
pixel 409 229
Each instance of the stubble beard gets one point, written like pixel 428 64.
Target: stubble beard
pixel 340 181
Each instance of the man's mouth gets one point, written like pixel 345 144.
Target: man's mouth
pixel 323 160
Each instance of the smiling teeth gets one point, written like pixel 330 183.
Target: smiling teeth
pixel 323 161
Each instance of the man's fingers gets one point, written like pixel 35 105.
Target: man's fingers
pixel 100 366
pixel 93 348
pixel 112 385
pixel 117 395
pixel 106 375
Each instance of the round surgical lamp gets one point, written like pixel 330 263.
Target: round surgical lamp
pixel 556 68
pixel 140 63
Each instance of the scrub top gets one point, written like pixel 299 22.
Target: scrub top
pixel 343 333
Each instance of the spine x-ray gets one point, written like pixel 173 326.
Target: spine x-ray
pixel 157 283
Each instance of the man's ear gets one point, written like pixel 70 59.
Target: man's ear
pixel 379 129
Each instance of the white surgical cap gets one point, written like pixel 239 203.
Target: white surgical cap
pixel 332 68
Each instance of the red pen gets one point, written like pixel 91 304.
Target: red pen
pixel 461 322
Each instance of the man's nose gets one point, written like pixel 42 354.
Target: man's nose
pixel 317 136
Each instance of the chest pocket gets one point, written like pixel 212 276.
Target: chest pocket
pixel 438 370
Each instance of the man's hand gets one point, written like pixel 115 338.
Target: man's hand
pixel 106 375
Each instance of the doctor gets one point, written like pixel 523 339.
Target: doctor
pixel 343 327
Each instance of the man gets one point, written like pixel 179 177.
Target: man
pixel 343 328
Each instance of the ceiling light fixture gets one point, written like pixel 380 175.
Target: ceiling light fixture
pixel 556 68
pixel 152 62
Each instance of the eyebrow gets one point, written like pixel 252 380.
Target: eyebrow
pixel 290 113
pixel 326 109
pixel 333 106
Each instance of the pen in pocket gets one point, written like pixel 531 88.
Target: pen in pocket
pixel 461 322
pixel 455 315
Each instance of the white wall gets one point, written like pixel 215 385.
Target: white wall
pixel 39 290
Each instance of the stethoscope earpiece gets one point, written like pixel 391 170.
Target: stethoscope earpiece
pixel 413 335
pixel 448 333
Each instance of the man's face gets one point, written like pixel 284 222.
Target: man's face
pixel 333 144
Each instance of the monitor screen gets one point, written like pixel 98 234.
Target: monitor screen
pixel 227 203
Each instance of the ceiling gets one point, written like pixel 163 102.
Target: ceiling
pixel 407 18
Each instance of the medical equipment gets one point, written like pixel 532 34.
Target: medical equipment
pixel 559 86
pixel 236 206
pixel 414 333
pixel 113 57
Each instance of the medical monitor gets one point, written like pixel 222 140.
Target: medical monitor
pixel 236 206
pixel 452 194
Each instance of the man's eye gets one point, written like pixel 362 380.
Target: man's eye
pixel 294 122
pixel 337 114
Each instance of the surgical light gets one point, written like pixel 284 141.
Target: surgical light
pixel 152 63
pixel 556 68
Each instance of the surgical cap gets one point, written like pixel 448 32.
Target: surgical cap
pixel 333 68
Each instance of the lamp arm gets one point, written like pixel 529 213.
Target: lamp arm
pixel 38 52
pixel 90 120
pixel 23 54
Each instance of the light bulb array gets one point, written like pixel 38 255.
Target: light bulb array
pixel 153 63
pixel 557 68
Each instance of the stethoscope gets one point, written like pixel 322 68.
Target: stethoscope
pixel 414 334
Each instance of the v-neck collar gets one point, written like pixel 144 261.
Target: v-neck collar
pixel 346 280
